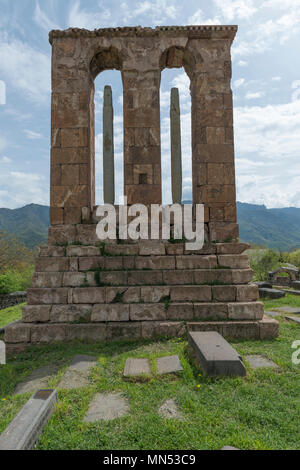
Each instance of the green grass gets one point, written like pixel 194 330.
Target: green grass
pixel 260 411
pixel 10 314
pixel 289 299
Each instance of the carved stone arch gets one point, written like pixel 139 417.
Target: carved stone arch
pixel 177 57
pixel 105 59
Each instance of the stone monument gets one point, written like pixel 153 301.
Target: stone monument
pixel 87 290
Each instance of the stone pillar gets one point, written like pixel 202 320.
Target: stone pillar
pixel 108 148
pixel 212 139
pixel 72 137
pixel 142 158
pixel 176 165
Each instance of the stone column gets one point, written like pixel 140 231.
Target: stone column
pixel 72 149
pixel 212 139
pixel 108 148
pixel 176 165
pixel 142 159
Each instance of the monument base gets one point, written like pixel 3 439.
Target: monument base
pixel 112 291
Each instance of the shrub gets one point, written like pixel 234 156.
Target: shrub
pixel 262 261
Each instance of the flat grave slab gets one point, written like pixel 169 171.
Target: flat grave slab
pixel 271 313
pixel 294 319
pixel 135 367
pixel 168 365
pixel 107 407
pixel 169 410
pixel 77 374
pixel 215 355
pixel 264 292
pixel 38 379
pixel 229 448
pixel 2 353
pixel 257 361
pixel 24 430
pixel 288 309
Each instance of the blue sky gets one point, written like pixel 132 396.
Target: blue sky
pixel 265 82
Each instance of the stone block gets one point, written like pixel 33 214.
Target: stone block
pixel 236 248
pixel 82 251
pixel 181 311
pixel 224 293
pixel 215 355
pixel 152 248
pixel 123 330
pixel 113 278
pixel 47 279
pixel 178 277
pixel 17 332
pixel 72 215
pixel 47 296
pixel 169 329
pixel 257 361
pixel 71 313
pixel 245 311
pixel 51 251
pixel 214 275
pixel 86 234
pixel 147 312
pixel 175 248
pixel 135 367
pixel 241 276
pixel 155 262
pixel 106 407
pixel 154 293
pixel 89 295
pixel 62 234
pixel 247 293
pixel 36 313
pixel 51 264
pixel 118 250
pixel 96 332
pixel 92 262
pixel 168 365
pixel 110 312
pixel 190 293
pixel 196 262
pixel 265 293
pixel 145 277
pixel 210 311
pixel 268 328
pixel 73 279
pixel 234 261
pixel 49 333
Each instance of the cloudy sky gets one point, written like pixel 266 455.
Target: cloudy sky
pixel 266 86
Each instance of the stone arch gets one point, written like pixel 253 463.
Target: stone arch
pixel 177 57
pixel 105 59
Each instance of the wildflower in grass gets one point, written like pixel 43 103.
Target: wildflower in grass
pixel 198 386
pixel 3 399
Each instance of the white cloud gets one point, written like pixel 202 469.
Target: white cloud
pixel 81 18
pixel 42 19
pixel 239 82
pixel 32 135
pixel 267 154
pixel 25 69
pixel 5 160
pixel 242 9
pixel 3 143
pixel 276 79
pixel 242 63
pixel 254 95
pixel 199 18
pixel 19 188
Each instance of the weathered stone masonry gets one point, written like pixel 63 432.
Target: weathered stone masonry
pixel 84 290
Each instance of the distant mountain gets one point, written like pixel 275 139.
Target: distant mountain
pixel 274 228
pixel 30 223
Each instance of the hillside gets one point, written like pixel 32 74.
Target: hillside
pixel 30 223
pixel 275 228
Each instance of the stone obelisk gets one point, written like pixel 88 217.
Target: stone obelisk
pixel 108 148
pixel 176 165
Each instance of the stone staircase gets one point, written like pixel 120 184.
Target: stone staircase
pixel 109 291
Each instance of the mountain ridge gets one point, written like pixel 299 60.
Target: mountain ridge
pixel 275 228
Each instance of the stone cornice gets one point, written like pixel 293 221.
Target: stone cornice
pixel 198 31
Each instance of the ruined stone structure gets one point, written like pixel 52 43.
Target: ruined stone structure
pixel 83 290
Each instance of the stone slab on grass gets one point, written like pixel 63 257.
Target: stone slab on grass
pixel 271 313
pixel 264 292
pixel 257 361
pixel 229 448
pixel 137 367
pixel 169 410
pixel 297 320
pixel 77 374
pixel 37 380
pixel 215 355
pixel 287 309
pixel 23 431
pixel 107 407
pixel 168 365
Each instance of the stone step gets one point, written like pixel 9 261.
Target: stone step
pixel 116 312
pixel 140 277
pixel 138 262
pixel 21 335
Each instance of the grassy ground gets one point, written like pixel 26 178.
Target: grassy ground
pixel 8 315
pixel 260 411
